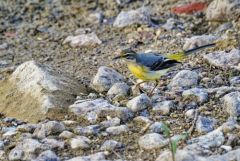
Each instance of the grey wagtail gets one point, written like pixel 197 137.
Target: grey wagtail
pixel 151 66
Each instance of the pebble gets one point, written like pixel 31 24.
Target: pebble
pixel 184 79
pixel 93 157
pixel 47 155
pixel 80 142
pixel 105 78
pixel 138 16
pixel 139 103
pixel 111 145
pixel 152 141
pixel 163 107
pixel 118 92
pixel 156 127
pixel 117 130
pixel 232 103
pixel 196 94
pixel 66 135
pixel 88 130
pixel 205 124
pixel 235 81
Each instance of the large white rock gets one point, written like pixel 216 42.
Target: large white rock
pixel 220 10
pixel 52 90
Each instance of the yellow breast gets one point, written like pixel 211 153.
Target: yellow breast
pixel 144 73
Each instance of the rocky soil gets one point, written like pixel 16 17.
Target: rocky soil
pixel 62 97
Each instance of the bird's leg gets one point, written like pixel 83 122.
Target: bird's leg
pixel 156 84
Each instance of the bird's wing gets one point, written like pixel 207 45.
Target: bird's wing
pixel 155 61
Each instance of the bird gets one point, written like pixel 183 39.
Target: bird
pixel 151 66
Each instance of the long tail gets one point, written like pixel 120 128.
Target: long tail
pixel 181 55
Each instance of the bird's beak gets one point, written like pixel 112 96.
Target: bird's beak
pixel 117 57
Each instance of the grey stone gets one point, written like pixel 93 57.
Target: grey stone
pixel 196 94
pixel 117 130
pixel 197 41
pixel 49 128
pixel 105 78
pixel 27 128
pixel 224 59
pixel 26 150
pixel 66 135
pixel 205 124
pixel 16 154
pixel 181 155
pixel 152 141
pixel 93 157
pixel 204 143
pixel 95 18
pixel 1 145
pixel 190 113
pixel 80 142
pixel 142 120
pixel 156 127
pixel 173 24
pixel 83 40
pixel 53 143
pixel 139 103
pixel 163 107
pixel 232 103
pixel 93 109
pixel 88 130
pixel 229 156
pixel 235 81
pixel 118 91
pixel 111 145
pixel 138 16
pixel 2 155
pixel 184 79
pixel 223 10
pixel 111 122
pixel 47 155
pixel 3 46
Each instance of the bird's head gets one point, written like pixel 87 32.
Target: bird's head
pixel 127 54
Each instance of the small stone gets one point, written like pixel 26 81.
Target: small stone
pixel 142 120
pixel 1 145
pixel 232 103
pixel 80 142
pixel 83 40
pixel 111 145
pixel 197 41
pixel 181 155
pixel 2 155
pixel 111 122
pixel 139 103
pixel 16 154
pixel 185 79
pixel 53 143
pixel 117 130
pixel 93 157
pixel 205 124
pixel 29 128
pixel 152 141
pixel 226 148
pixel 3 46
pixel 157 127
pixel 118 91
pixel 93 109
pixel 173 24
pixel 203 143
pixel 223 10
pixel 49 128
pixel 89 130
pixel 190 113
pixel 224 59
pixel 138 16
pixel 235 81
pixel 95 18
pixel 196 94
pixel 105 78
pixel 66 135
pixel 163 107
pixel 26 150
pixel 47 156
